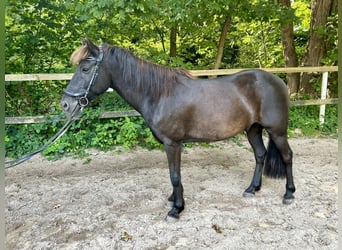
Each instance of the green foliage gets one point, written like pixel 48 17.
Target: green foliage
pixel 304 121
pixel 89 132
pixel 40 35
pixel 23 139
pixel 32 98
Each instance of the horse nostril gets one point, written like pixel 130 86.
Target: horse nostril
pixel 65 105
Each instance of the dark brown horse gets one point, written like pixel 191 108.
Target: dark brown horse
pixel 179 108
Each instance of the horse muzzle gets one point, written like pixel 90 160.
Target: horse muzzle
pixel 73 106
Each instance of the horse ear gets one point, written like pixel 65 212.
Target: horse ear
pixel 94 50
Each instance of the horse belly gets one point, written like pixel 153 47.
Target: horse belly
pixel 215 127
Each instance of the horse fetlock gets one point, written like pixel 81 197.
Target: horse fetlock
pixel 179 204
pixel 290 188
pixel 288 194
pixel 170 204
pixel 175 180
pixel 171 198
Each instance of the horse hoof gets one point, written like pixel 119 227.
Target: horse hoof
pixel 171 219
pixel 174 213
pixel 288 201
pixel 172 216
pixel 248 194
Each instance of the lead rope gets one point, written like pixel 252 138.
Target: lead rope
pixel 53 139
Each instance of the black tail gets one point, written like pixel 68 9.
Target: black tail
pixel 274 164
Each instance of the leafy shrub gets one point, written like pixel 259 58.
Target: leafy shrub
pixel 89 132
pixel 304 120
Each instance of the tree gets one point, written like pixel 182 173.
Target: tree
pixel 316 48
pixel 173 40
pixel 220 47
pixel 289 49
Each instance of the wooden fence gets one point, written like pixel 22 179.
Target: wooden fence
pixel 115 114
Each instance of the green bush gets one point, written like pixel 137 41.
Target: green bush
pixel 89 132
pixel 304 121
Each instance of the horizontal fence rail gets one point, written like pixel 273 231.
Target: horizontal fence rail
pixel 213 72
pixel 117 114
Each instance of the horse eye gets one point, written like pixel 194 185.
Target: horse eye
pixel 85 70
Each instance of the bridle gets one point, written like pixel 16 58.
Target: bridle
pixel 82 96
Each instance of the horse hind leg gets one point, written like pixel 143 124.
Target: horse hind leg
pixel 279 164
pixel 254 135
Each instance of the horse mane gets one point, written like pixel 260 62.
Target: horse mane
pixel 78 55
pixel 153 79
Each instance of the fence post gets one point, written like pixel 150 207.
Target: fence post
pixel 323 97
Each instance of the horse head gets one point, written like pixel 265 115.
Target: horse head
pixel 88 81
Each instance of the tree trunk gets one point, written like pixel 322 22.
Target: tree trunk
pixel 161 35
pixel 316 48
pixel 173 41
pixel 289 51
pixel 223 36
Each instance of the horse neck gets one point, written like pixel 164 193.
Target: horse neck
pixel 125 86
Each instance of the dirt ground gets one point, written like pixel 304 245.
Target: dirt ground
pixel 118 201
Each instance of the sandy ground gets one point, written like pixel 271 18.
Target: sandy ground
pixel 118 201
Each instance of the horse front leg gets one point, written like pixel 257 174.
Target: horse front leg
pixel 173 152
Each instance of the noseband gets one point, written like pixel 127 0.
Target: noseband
pixel 82 97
